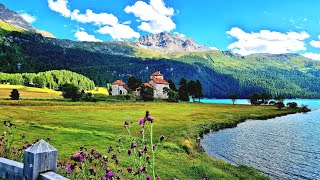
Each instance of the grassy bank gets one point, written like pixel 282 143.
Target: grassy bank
pixel 97 125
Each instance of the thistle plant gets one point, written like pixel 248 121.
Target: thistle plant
pixel 138 155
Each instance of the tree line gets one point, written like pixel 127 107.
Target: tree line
pixel 49 79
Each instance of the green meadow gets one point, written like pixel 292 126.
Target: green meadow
pixel 99 125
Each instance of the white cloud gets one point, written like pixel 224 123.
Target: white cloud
pixel 97 19
pixel 267 41
pixel 155 17
pixel 315 44
pixel 81 35
pixel 29 18
pixel 119 32
pixel 109 22
pixel 313 56
pixel 60 6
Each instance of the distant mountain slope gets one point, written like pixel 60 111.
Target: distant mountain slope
pixel 10 17
pixel 221 72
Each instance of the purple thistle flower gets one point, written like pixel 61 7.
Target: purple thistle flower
pixel 162 138
pixel 142 169
pixel 129 152
pixel 117 161
pixel 145 149
pixel 129 170
pixel 141 121
pixel 154 147
pixel 69 170
pixel 126 124
pixel 107 169
pixel 133 145
pixel 142 131
pixel 110 174
pixel 151 119
pixel 105 177
pixel 140 153
pixel 148 177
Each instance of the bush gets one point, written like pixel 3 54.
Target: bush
pixel 15 94
pixel 292 105
pixel 173 96
pixel 70 91
pixel 280 105
pixel 305 108
pixel 147 93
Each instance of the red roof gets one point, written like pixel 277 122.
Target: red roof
pixel 149 85
pixel 160 81
pixel 118 82
pixel 157 73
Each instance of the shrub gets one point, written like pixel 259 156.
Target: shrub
pixel 173 96
pixel 279 105
pixel 14 94
pixel 147 93
pixel 70 91
pixel 292 105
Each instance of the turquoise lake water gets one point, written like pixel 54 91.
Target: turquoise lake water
pixel 286 147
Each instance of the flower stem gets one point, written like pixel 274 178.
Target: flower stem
pixel 153 154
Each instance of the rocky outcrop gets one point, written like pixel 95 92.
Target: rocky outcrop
pixel 167 43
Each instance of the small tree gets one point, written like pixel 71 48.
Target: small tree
pixel 173 96
pixel 172 85
pixel 70 91
pixel 279 105
pixel 255 99
pixel 134 83
pixel 192 89
pixel 183 90
pixel 292 105
pixel 15 94
pixel 233 97
pixel 147 93
pixel 199 90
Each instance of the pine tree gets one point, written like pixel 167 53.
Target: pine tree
pixel 183 90
pixel 172 85
pixel 15 94
pixel 199 90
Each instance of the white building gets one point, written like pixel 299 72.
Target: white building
pixel 119 88
pixel 158 84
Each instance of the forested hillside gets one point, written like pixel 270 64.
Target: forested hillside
pixel 49 79
pixel 221 73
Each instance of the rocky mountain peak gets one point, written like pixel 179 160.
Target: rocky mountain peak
pixel 170 43
pixel 15 19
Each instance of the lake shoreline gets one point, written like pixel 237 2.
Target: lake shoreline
pixel 221 126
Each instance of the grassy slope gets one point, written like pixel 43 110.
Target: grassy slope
pixel 70 125
pixel 39 93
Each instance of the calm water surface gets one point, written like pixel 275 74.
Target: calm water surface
pixel 283 148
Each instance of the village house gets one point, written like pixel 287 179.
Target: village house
pixel 158 84
pixel 119 88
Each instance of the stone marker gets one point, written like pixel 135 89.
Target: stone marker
pixel 40 157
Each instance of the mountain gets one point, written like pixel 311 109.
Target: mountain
pixel 15 19
pixel 220 72
pixel 167 43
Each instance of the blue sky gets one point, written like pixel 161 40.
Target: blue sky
pixel 245 27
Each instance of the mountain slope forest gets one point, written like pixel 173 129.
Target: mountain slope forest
pixel 220 72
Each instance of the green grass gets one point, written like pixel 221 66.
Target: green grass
pixel 97 125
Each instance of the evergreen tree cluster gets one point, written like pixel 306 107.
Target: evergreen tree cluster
pixel 49 79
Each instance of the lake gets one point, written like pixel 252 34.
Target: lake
pixel 285 147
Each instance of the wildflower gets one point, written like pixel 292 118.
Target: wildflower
pixel 69 170
pixel 91 170
pixel 114 157
pixel 99 155
pixel 142 169
pixel 133 145
pixel 110 174
pixel 140 153
pixel 130 170
pixel 107 169
pixel 141 121
pixel 129 152
pixel 154 147
pixel 145 149
pixel 162 138
pixel 151 119
pixel 23 136
pixel 148 177
pixel 126 124
pixel 142 131
pixel 117 161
